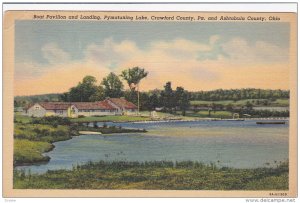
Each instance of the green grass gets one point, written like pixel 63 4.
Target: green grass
pixel 205 114
pixel 41 132
pixel 277 102
pixel 159 114
pixel 157 175
pixel 22 119
pixel 281 102
pixel 28 152
pixel 200 102
pixel 31 140
pixel 110 118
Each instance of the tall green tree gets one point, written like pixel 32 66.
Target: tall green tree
pixel 99 95
pixel 133 76
pixel 153 102
pixel 167 97
pixel 113 86
pixel 83 91
pixel 182 99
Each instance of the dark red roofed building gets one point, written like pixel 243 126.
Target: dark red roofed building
pixel 75 109
pixel 124 107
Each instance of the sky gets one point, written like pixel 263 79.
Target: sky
pixel 52 56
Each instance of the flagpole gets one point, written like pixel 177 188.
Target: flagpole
pixel 138 90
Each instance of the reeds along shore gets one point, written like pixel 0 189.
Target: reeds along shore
pixel 162 175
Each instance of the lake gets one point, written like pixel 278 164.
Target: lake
pixel 239 144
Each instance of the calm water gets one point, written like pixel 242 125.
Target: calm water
pixel 240 144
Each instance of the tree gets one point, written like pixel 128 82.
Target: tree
pixel 130 96
pixel 83 91
pixel 153 102
pixel 229 107
pixel 65 96
pixel 182 99
pixel 144 101
pixel 98 95
pixel 133 76
pixel 167 97
pixel 113 86
pixel 249 106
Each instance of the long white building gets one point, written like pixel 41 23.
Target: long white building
pixel 110 106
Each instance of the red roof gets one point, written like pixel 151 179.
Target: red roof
pixel 79 105
pixel 55 105
pixel 93 105
pixel 105 105
pixel 122 103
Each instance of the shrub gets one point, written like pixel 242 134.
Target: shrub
pixel 52 120
pixel 95 125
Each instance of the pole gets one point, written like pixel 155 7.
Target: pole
pixel 138 91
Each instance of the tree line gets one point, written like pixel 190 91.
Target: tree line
pixel 111 86
pixel 166 99
pixel 239 94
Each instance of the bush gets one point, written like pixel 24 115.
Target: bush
pixel 52 120
pixel 156 175
pixel 81 116
pixel 95 125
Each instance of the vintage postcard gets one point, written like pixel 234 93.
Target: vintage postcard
pixel 149 104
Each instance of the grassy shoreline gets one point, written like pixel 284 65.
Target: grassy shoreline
pixel 284 102
pixel 32 137
pixel 156 175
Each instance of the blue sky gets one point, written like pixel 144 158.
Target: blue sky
pixel 74 37
pixel 194 55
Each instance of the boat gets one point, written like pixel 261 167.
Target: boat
pixel 270 122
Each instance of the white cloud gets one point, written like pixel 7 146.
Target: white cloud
pixel 186 63
pixel 240 51
pixel 110 52
pixel 54 54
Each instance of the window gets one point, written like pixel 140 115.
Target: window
pixel 59 111
pixel 37 107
